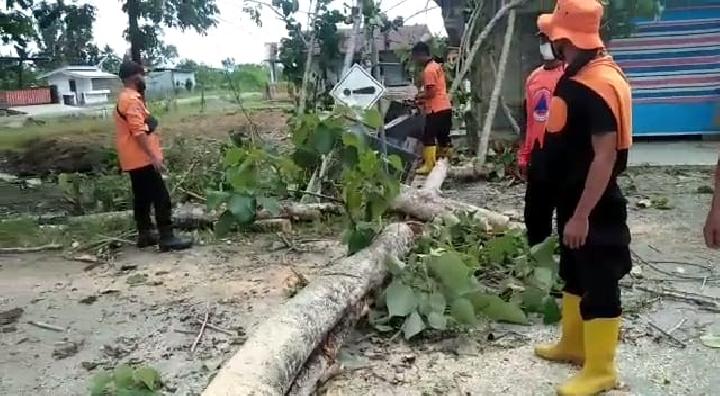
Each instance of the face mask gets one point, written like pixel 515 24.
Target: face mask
pixel 546 50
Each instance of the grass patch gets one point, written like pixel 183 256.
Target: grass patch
pixel 25 232
pixel 18 138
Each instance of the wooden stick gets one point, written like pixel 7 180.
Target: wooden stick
pixel 202 331
pixel 671 337
pixel 218 329
pixel 497 90
pixel 33 249
pixel 46 326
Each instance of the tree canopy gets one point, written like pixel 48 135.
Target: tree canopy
pixel 146 18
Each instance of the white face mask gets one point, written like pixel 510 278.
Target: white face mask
pixel 547 52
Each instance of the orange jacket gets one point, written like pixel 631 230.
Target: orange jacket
pixel 130 116
pixel 434 76
pixel 539 89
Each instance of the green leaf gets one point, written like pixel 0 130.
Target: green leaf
pixel 359 238
pixel 270 204
pixel 233 156
pixel 148 376
pixel 437 320
pixel 543 278
pixel 413 325
pixel 400 299
pixel 498 249
pixel 99 382
pixel 224 224
pixel 216 198
pixel 462 311
pixel 533 299
pixel 324 138
pixel 544 253
pixel 243 207
pixel 504 311
pixel 451 270
pixel 123 376
pixel 373 118
pixel 551 311
pixel 396 162
pixel 437 303
pixel 710 341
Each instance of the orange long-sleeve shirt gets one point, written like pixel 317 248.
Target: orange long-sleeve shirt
pixel 130 117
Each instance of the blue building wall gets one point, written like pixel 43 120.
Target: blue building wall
pixel 674 68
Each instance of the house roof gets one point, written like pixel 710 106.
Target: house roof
pixel 404 37
pixel 80 72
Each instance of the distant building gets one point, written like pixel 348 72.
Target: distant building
pixel 179 77
pixel 82 85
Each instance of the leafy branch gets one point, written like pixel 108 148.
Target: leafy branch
pixel 458 271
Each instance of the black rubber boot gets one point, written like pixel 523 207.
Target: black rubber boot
pixel 146 239
pixel 168 241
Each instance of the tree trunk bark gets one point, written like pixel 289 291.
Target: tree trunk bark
pixel 308 62
pixel 481 40
pixel 497 90
pixel 134 33
pixel 356 31
pixel 279 349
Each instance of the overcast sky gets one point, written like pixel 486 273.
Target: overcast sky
pixel 236 36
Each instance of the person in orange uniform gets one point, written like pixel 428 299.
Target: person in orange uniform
pixel 539 88
pixel 141 156
pixel 587 139
pixel 435 102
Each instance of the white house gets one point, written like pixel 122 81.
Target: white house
pixel 180 77
pixel 82 84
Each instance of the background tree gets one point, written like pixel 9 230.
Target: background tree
pixel 146 18
pixel 65 33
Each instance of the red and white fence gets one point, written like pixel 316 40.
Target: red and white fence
pixel 31 96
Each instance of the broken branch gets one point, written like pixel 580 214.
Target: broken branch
pixel 202 331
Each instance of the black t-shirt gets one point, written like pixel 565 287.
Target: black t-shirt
pixel 579 113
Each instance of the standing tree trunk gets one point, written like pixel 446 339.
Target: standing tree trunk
pixel 134 33
pixel 308 61
pixel 497 89
pixel 356 31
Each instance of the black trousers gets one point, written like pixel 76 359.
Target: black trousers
pixel 437 129
pixel 149 190
pixel 593 272
pixel 539 209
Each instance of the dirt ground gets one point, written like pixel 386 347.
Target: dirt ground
pixel 106 320
pixel 497 359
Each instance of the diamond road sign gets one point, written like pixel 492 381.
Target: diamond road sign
pixel 358 88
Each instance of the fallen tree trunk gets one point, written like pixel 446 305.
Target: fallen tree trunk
pixel 295 349
pixel 470 172
pixel 426 203
pixel 192 216
pixel 272 358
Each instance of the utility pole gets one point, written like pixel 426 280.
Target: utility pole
pixel 354 34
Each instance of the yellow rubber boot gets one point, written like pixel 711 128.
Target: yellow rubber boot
pixel 429 153
pixel 570 347
pixel 599 373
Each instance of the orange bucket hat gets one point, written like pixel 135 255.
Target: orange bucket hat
pixel 575 20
